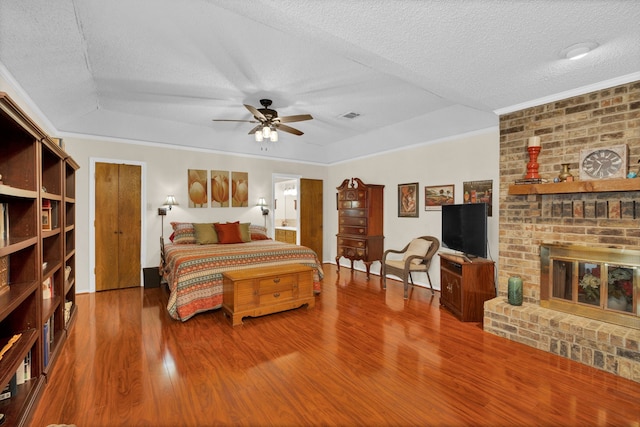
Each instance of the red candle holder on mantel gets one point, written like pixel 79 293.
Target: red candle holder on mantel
pixel 533 149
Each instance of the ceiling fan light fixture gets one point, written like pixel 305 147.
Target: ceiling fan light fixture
pixel 269 123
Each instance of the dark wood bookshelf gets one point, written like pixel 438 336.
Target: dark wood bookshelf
pixel 38 177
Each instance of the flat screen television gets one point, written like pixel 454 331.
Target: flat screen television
pixel 464 228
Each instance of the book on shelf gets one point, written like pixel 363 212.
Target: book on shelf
pixel 23 373
pixel 54 216
pixel 45 339
pixel 4 224
pixel 46 218
pixel 67 311
pixel 49 325
pixel 531 181
pixel 10 389
pixel 4 274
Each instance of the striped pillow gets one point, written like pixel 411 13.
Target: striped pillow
pixel 183 233
pixel 258 232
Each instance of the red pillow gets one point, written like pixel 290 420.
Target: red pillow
pixel 229 232
pixel 259 236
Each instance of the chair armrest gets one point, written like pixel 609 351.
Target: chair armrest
pixel 391 251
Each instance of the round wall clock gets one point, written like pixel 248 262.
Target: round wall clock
pixel 603 163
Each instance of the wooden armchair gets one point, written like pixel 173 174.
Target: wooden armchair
pixel 417 258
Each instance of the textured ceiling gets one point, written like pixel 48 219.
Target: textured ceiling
pixel 415 71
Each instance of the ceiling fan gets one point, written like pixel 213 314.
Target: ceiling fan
pixel 268 119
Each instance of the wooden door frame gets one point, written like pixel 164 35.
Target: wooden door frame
pixel 279 177
pixel 92 214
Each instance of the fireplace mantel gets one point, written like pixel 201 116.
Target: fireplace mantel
pixel 601 186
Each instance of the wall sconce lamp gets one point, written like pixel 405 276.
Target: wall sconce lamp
pixel 170 201
pixel 263 206
pixel 162 211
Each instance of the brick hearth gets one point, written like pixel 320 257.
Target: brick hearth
pixel 605 346
pixel 598 119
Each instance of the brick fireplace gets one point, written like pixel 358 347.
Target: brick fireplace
pixel 582 213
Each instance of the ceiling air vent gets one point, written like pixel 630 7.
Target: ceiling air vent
pixel 350 115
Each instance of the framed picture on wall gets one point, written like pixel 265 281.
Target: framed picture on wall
pixel 239 189
pixel 479 192
pixel 46 219
pixel 197 188
pixel 408 200
pixel 437 195
pixel 219 189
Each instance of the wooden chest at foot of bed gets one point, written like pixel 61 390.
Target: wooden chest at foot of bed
pixel 265 290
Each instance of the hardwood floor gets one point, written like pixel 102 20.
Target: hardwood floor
pixel 362 356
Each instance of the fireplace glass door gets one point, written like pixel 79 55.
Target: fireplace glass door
pixel 591 280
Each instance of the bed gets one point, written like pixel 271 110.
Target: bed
pixel 193 269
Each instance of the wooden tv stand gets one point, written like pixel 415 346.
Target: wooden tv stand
pixel 465 285
pixel 265 290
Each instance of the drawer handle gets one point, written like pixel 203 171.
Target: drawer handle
pixel 450 287
pixel 276 280
pixel 276 295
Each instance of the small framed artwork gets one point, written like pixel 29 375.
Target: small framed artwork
pixel 197 188
pixel 219 189
pixel 437 195
pixel 479 192
pixel 408 200
pixel 46 219
pixel 239 189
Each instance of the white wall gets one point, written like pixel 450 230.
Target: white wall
pixel 166 173
pixel 472 157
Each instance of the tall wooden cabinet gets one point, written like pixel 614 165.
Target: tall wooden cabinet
pixel 37 244
pixel 360 222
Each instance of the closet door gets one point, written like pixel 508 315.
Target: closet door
pixel 117 211
pixel 311 218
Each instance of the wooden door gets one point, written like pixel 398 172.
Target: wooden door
pixel 118 210
pixel 311 217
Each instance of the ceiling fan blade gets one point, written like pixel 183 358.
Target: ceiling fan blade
pixel 257 114
pixel 296 118
pixel 255 129
pixel 232 120
pixel 288 129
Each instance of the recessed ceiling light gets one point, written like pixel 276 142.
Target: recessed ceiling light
pixel 578 51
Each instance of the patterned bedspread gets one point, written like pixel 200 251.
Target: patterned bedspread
pixel 194 272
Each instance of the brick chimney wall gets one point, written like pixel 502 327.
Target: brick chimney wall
pixel 598 119
pixel 602 118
